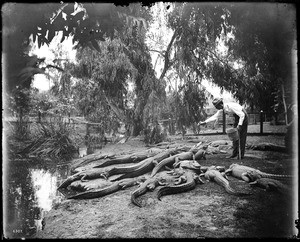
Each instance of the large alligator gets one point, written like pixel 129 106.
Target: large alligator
pixel 149 185
pixel 213 174
pixel 149 165
pixel 195 166
pixel 114 187
pixel 134 158
pixel 188 164
pixel 172 160
pixel 143 166
pixel 126 169
pixel 271 185
pixel 189 184
pixel 152 182
pixel 83 176
pixel 241 172
pixel 200 154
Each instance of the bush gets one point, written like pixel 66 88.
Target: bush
pixel 52 140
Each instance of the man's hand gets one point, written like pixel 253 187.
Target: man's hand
pixel 201 123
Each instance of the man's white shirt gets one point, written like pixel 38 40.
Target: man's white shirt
pixel 229 108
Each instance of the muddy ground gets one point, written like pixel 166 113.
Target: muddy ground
pixel 205 212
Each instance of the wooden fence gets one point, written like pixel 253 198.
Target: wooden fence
pixel 91 127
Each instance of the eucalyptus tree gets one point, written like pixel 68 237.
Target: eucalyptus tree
pixel 103 80
pixel 264 42
pixel 149 91
pixel 194 31
pixel 256 61
pixel 87 23
pixel 109 71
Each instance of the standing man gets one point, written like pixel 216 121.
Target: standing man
pixel 240 122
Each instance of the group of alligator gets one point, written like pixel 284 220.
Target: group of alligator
pixel 176 170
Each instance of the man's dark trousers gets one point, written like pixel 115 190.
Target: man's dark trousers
pixel 242 133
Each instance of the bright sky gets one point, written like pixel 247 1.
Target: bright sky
pixel 41 81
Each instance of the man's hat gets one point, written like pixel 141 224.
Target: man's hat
pixel 217 101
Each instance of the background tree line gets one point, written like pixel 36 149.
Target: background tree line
pixel 114 77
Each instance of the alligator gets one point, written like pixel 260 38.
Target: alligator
pixel 195 166
pixel 134 158
pixel 271 185
pixel 114 187
pixel 253 175
pixel 83 176
pixel 149 165
pixel 212 174
pixel 172 160
pixel 241 172
pixel 190 183
pixel 126 169
pixel 143 166
pixel 149 185
pixel 143 169
pixel 217 143
pixel 200 154
pixel 189 164
pixel 84 186
pixel 152 182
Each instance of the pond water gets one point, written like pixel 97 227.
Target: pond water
pixel 30 191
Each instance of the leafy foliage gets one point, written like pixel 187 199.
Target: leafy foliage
pixel 253 38
pixel 198 26
pixel 87 23
pixel 265 54
pixel 53 140
pixel 101 92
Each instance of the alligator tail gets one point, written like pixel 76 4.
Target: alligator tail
pixel 276 176
pixel 68 181
pixel 167 190
pixel 138 172
pixel 134 199
pixel 164 191
pixel 230 190
pixel 223 182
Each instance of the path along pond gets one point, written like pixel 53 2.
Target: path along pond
pixel 29 192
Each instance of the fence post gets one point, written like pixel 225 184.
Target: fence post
pixel 39 116
pixel 224 122
pixel 87 134
pixel 261 121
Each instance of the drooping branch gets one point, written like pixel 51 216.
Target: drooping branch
pixel 158 51
pixel 119 113
pixel 168 63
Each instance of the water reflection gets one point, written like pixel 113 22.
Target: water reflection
pixel 30 192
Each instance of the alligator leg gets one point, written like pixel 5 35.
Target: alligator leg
pixel 168 168
pixel 151 186
pixel 245 177
pixel 199 180
pixel 129 182
pixel 83 178
pixel 224 175
pixel 180 180
pixel 176 163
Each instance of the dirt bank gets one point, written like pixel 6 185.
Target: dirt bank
pixel 206 211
